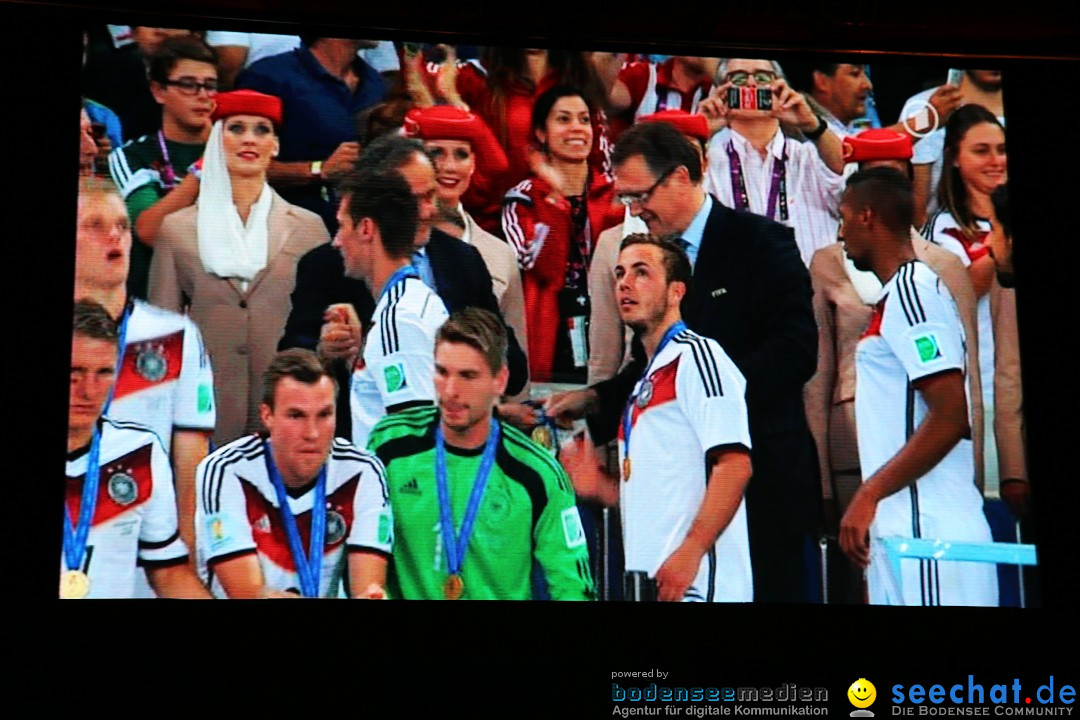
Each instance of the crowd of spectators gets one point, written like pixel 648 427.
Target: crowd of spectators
pixel 530 167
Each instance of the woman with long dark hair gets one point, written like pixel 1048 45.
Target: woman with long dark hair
pixel 552 220
pixel 974 166
pixel 502 90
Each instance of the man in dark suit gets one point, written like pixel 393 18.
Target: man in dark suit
pixel 751 293
pixel 453 268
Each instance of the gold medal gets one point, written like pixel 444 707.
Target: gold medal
pixel 541 435
pixel 74 585
pixel 453 587
pixel 626 469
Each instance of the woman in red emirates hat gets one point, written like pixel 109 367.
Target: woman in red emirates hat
pixel 230 260
pixel 461 146
pixel 552 219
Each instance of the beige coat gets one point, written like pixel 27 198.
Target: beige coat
pixel 608 338
pixel 502 264
pixel 241 330
pixel 1008 399
pixel 841 317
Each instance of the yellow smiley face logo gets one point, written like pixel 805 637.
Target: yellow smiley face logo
pixel 862 693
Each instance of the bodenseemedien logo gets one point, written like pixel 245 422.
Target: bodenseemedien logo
pixel 862 694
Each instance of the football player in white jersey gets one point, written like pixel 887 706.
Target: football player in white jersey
pixel 684 443
pixel 378 220
pixel 119 507
pixel 164 378
pixel 277 511
pixel 911 411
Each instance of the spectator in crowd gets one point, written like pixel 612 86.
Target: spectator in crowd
pixel 458 142
pixel 975 164
pixel 1000 238
pixel 977 87
pixel 844 300
pixel 838 92
pixel 458 461
pixel 609 338
pixel 378 221
pixel 318 500
pixel 502 89
pixel 552 219
pixel 911 411
pixel 754 166
pixel 643 88
pixel 322 84
pixel 238 51
pixel 88 149
pixel 450 267
pixel 108 134
pixel 152 170
pixel 132 521
pixel 117 78
pixel 229 261
pixel 163 379
pixel 750 293
pixel 684 443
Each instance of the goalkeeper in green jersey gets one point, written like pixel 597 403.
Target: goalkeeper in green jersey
pixel 475 501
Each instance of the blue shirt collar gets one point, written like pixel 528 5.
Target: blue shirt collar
pixel 696 229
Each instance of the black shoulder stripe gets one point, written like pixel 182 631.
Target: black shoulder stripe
pixel 710 362
pixel 710 377
pixel 380 475
pixel 902 294
pixel 928 226
pixel 214 471
pixel 915 294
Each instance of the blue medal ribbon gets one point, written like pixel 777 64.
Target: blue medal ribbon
pixel 457 544
pixel 628 414
pixel 308 567
pixel 399 276
pixel 121 347
pixel 75 537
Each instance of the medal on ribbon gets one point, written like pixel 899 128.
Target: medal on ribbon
pixel 644 395
pixel 457 544
pixel 74 582
pixel 309 566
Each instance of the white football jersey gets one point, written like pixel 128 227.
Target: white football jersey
pixel 134 519
pixel 237 512
pixel 697 403
pixel 166 382
pixel 915 332
pixel 399 355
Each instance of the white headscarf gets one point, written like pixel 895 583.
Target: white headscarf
pixel 227 247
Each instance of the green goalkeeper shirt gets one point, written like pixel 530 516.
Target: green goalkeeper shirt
pixel 527 511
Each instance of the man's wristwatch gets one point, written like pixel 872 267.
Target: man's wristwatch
pixel 316 169
pixel 817 132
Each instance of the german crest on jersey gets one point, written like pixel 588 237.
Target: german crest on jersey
pixel 151 363
pixel 645 395
pixel 335 527
pixel 123 489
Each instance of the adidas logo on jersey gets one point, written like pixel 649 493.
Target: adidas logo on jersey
pixel 410 488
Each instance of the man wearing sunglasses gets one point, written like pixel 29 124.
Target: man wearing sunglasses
pixel 755 166
pixel 152 171
pixel 751 293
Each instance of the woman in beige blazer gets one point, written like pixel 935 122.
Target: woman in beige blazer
pixel 230 260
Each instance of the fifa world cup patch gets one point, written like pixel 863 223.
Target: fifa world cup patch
pixel 385 535
pixel 215 529
pixel 928 349
pixel 395 377
pixel 205 398
pixel 572 529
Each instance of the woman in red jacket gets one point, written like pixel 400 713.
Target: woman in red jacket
pixel 552 220
pixel 502 89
